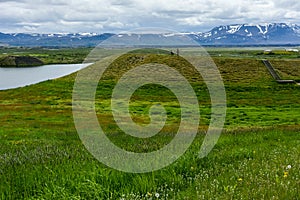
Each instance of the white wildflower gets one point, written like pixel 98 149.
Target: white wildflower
pixel 156 195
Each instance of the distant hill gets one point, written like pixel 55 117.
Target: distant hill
pixel 20 61
pixel 237 34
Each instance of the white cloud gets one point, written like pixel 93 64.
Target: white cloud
pixel 118 15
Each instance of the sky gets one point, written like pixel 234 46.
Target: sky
pixel 99 16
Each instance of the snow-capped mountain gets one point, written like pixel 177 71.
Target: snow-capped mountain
pixel 238 34
pixel 53 40
pixel 251 34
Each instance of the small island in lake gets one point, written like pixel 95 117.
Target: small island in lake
pixel 20 61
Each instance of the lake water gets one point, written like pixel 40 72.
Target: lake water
pixel 20 77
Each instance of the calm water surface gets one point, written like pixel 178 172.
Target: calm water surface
pixel 20 77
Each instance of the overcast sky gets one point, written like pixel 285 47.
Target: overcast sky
pixel 55 16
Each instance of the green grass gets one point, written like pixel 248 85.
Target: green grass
pixel 249 164
pixel 42 157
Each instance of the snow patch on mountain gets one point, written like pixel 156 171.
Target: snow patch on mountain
pixel 234 28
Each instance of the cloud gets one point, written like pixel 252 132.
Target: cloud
pixel 120 15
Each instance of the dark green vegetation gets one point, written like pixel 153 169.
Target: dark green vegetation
pixel 20 61
pixel 48 56
pixel 257 156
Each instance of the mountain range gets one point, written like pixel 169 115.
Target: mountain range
pixel 251 34
pixel 237 34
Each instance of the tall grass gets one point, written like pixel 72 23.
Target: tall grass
pixel 256 164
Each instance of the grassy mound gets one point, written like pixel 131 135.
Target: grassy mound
pixel 20 61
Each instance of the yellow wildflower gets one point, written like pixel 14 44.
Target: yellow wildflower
pixel 285 174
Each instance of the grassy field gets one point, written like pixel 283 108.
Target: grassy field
pixel 256 157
